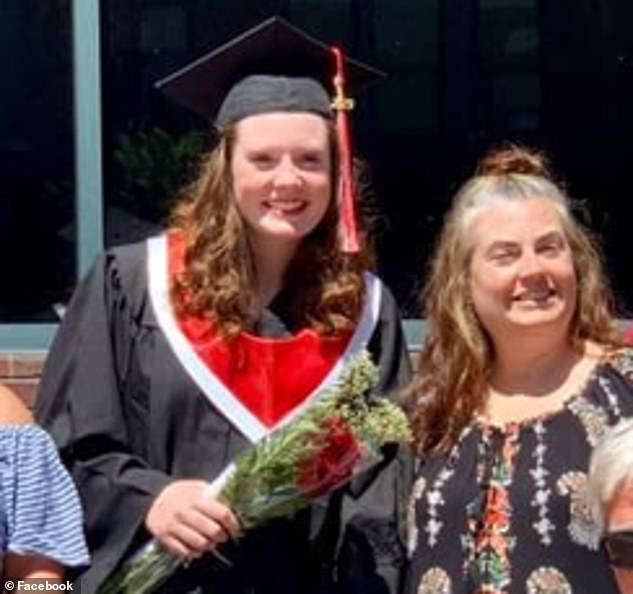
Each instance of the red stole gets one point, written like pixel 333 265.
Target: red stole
pixel 271 377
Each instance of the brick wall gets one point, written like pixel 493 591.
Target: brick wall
pixel 21 372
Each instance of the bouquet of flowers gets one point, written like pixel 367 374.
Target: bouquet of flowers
pixel 320 449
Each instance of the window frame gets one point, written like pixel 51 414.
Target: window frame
pixel 87 116
pixel 29 337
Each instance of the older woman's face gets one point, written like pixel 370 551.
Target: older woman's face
pixel 281 168
pixel 522 276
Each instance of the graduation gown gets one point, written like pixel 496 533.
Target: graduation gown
pixel 129 415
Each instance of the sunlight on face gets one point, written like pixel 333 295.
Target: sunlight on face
pixel 281 168
pixel 522 276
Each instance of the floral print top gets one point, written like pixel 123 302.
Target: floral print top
pixel 505 512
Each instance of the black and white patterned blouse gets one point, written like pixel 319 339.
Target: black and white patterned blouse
pixel 505 512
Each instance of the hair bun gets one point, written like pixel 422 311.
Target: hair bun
pixel 513 159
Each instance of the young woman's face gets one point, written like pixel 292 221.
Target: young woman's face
pixel 282 170
pixel 522 275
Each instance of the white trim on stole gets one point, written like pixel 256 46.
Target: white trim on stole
pixel 216 392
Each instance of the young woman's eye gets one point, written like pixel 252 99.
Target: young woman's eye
pixel 262 159
pixel 311 160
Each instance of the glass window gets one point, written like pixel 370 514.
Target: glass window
pixel 510 81
pixel 150 143
pixel 461 76
pixel 509 33
pixel 37 227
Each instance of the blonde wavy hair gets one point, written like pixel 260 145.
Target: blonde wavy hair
pixel 218 278
pixel 454 366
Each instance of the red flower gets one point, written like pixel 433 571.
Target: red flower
pixel 497 510
pixel 333 462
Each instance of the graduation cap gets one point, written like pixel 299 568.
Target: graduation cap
pixel 277 67
pixel 272 67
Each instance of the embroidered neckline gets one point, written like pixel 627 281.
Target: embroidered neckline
pixel 482 423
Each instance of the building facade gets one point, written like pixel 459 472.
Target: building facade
pixel 92 154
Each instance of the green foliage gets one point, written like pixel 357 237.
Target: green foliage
pixel 151 166
pixel 145 576
pixel 265 482
pixel 263 485
pixel 386 424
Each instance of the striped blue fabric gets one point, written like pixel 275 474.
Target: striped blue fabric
pixel 39 507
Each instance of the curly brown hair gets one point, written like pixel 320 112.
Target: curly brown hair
pixel 455 363
pixel 218 278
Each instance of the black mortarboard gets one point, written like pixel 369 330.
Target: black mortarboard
pixel 271 67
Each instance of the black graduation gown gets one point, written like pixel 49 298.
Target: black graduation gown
pixel 128 420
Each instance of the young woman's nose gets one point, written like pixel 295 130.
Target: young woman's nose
pixel 287 174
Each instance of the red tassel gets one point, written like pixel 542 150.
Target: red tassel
pixel 348 229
